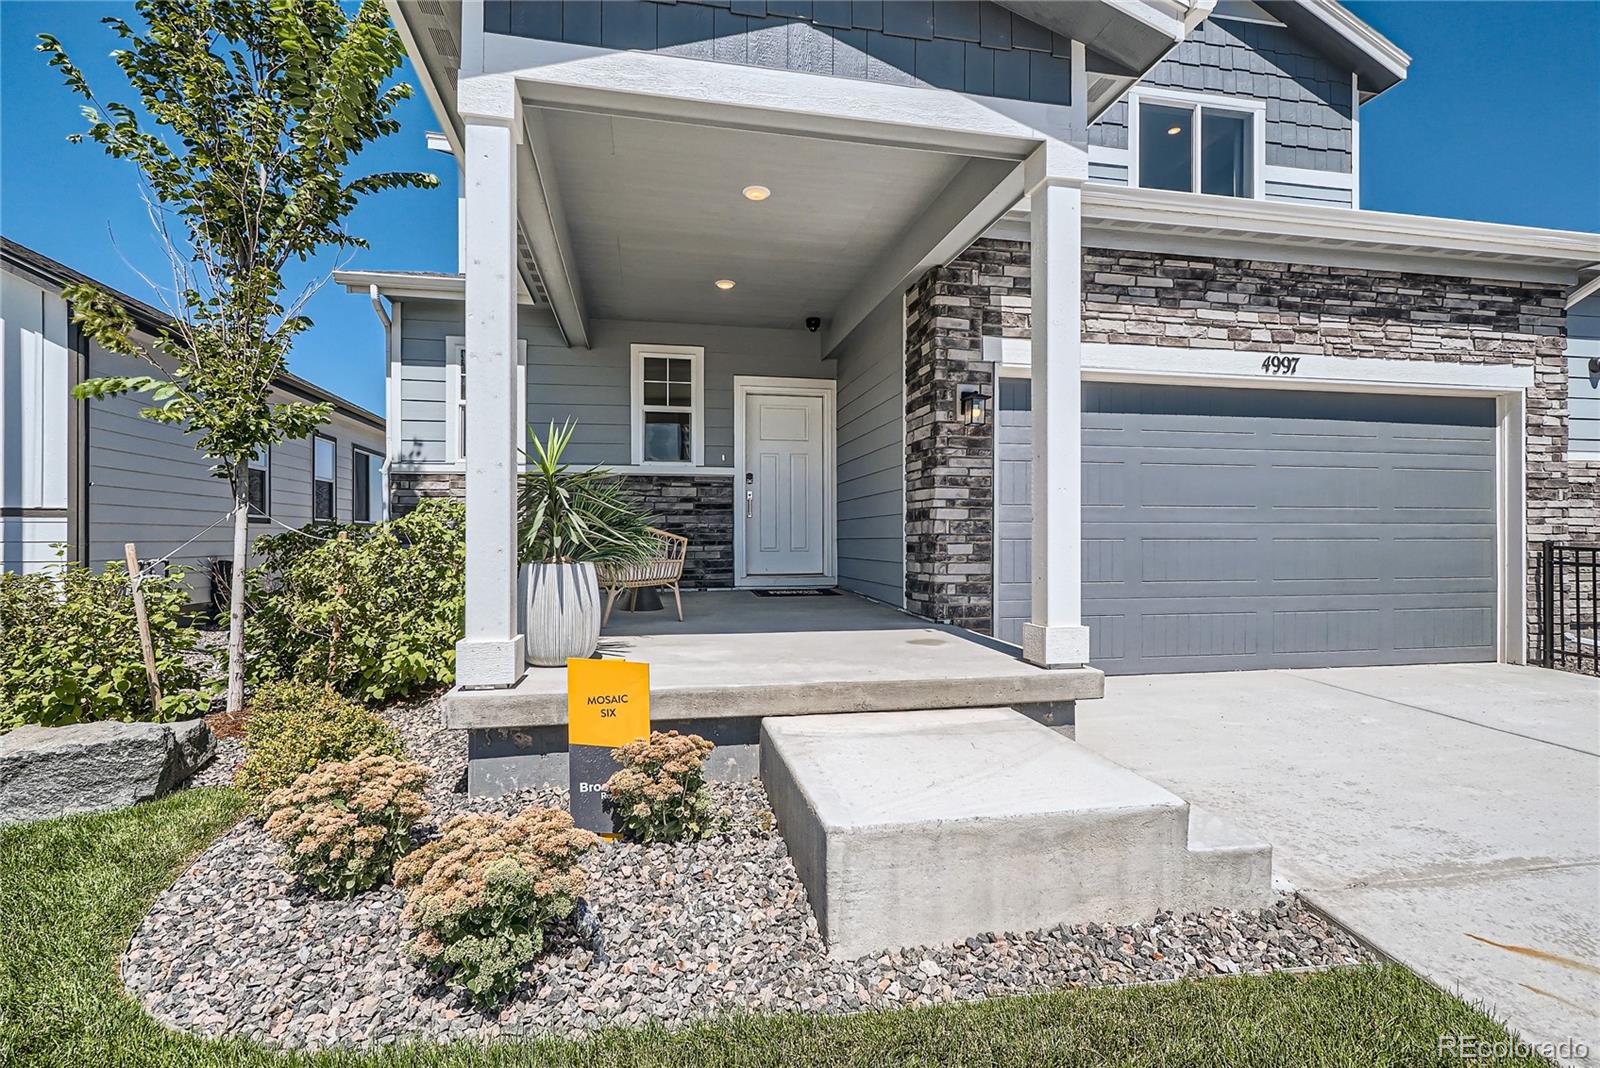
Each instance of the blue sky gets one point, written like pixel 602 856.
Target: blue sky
pixel 1499 120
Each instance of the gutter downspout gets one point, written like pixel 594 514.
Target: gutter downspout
pixel 377 306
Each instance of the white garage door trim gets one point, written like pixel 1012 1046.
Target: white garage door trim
pixel 1507 383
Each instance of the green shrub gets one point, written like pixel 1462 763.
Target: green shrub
pixel 660 795
pixel 291 727
pixel 69 648
pixel 375 611
pixel 481 897
pixel 344 824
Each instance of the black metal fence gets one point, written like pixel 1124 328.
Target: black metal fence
pixel 1569 603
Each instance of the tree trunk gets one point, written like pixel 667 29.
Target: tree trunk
pixel 241 541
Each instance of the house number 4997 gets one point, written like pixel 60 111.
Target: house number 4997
pixel 1280 365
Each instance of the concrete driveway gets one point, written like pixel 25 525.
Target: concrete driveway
pixel 1450 815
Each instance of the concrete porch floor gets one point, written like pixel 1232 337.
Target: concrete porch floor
pixel 737 655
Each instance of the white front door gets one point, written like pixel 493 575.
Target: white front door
pixel 782 489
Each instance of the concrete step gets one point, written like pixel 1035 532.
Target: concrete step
pixel 926 827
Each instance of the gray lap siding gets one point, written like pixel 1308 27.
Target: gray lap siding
pixel 592 386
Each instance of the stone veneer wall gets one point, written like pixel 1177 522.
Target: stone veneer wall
pixel 1207 302
pixel 949 464
pixel 700 507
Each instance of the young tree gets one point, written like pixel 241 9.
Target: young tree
pixel 252 111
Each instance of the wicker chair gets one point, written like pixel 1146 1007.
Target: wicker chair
pixel 663 569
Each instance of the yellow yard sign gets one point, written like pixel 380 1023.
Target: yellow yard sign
pixel 608 705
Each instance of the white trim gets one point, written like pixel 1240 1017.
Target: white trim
pixel 1506 383
pixel 422 467
pixel 1369 373
pixel 1283 230
pixel 696 354
pixel 455 348
pixel 1256 109
pixel 655 85
pixel 421 285
pixel 827 389
pixel 393 404
pixel 1272 172
pixel 1369 41
pixel 1511 525
pixel 1355 141
pixel 1583 292
pixel 905 502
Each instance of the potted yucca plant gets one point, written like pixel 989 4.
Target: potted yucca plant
pixel 569 520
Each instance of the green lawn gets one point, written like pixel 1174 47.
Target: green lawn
pixel 72 892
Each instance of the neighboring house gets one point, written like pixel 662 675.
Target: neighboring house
pixel 1105 357
pixel 93 475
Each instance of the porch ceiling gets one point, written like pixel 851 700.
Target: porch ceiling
pixel 655 215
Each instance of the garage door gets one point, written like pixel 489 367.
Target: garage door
pixel 1233 528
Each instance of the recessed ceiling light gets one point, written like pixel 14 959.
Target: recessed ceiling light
pixel 1175 130
pixel 756 192
pixel 725 283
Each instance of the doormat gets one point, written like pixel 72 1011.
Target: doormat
pixel 797 591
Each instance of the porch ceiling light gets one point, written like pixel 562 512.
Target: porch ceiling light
pixel 725 283
pixel 1175 130
pixel 756 192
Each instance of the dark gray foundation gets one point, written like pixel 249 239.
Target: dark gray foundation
pixel 504 759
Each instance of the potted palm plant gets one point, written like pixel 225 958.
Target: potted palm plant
pixel 569 520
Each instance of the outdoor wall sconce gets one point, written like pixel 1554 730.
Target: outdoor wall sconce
pixel 971 405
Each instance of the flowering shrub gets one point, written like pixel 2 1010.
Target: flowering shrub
pixel 482 895
pixel 374 611
pixel 292 727
pixel 344 825
pixel 660 793
pixel 69 648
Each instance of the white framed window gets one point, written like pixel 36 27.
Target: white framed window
pixel 455 397
pixel 259 473
pixel 1197 143
pixel 668 401
pixel 366 485
pixel 324 465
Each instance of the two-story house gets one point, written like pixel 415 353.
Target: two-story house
pixel 1058 321
pixel 79 479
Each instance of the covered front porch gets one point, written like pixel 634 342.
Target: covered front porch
pixel 740 656
pixel 716 237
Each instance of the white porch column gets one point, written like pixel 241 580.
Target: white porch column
pixel 491 653
pixel 1056 637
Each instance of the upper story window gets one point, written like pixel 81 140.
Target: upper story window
pixel 259 474
pixel 366 485
pixel 1190 143
pixel 324 461
pixel 668 405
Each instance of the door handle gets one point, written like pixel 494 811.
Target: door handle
pixel 749 504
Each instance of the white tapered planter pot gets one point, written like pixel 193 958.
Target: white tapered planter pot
pixel 563 618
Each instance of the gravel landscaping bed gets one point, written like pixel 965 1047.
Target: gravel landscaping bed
pixel 668 933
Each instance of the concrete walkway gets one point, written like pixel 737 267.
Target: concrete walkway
pixel 1450 815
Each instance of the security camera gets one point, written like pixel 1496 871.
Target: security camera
pixel 813 323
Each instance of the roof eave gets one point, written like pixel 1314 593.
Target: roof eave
pixel 1378 62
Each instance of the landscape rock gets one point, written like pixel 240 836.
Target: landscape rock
pixel 94 767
